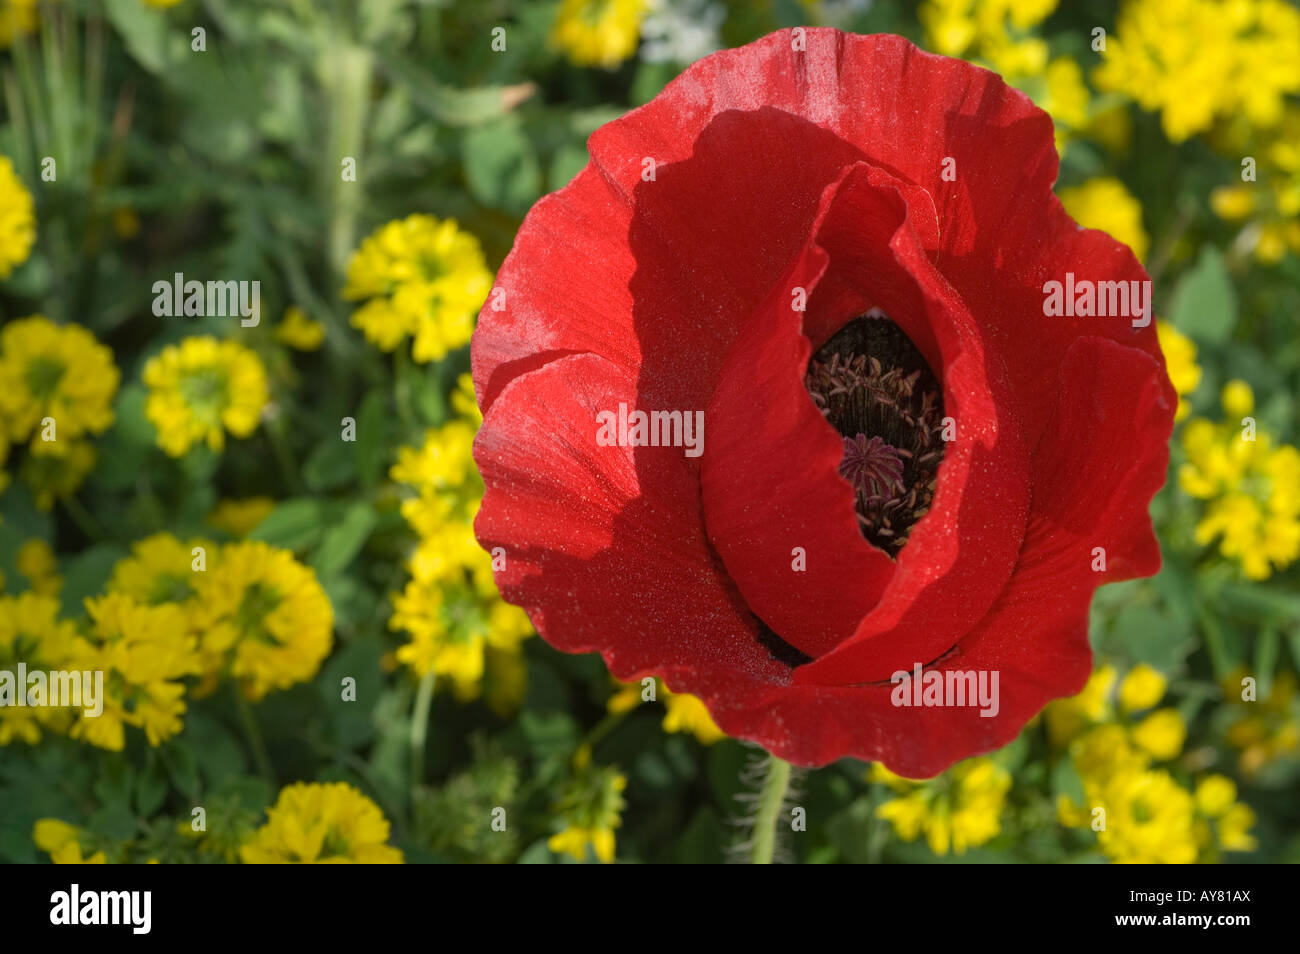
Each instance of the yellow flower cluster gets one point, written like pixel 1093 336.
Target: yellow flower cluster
pixel 17 19
pixel 17 212
pixel 201 388
pixel 1266 730
pixel 259 615
pixel 298 331
pixel 31 633
pixel 683 712
pixel 1180 362
pixel 264 618
pixel 64 843
pixel 459 627
pixel 1140 811
pixel 1104 203
pixel 424 278
pixel 1272 203
pixel 959 809
pixel 145 653
pixel 1200 61
pixel 37 564
pixel 590 809
pixel 1252 488
pixel 240 517
pixel 57 384
pixel 598 32
pixel 322 824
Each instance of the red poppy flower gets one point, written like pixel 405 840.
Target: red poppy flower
pixel 836 247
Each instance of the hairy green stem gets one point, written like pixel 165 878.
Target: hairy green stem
pixel 420 731
pixel 770 800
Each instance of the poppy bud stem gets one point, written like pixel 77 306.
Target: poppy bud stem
pixel 770 800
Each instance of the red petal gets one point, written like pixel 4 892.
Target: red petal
pixel 604 546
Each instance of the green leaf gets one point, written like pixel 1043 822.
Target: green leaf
pixel 293 524
pixel 501 167
pixel 1205 304
pixel 151 787
pixel 372 438
pixel 344 540
pixel 86 573
pixel 457 107
pixel 1145 634
pixel 332 463
pixel 1268 646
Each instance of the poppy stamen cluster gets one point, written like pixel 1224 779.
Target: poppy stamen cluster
pixel 872 385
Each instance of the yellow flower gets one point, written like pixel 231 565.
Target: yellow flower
pixel 1180 362
pixel 161 569
pixel 450 608
pixel 686 713
pixel 1149 820
pixel 1238 399
pixel 1253 507
pixel 1104 203
pixel 1234 829
pixel 162 4
pixel 1197 61
pixel 598 32
pixel 240 517
pixel 1066 97
pixel 264 618
pixel 958 810
pixel 298 331
pixel 144 652
pixel 423 277
pixel 17 212
pixel 1141 689
pixel 1268 730
pixel 1215 795
pixel 452 629
pixel 1103 754
pixel 201 388
pixel 1066 718
pixel 32 633
pixel 625 698
pixel 1162 733
pixel 36 562
pixel 443 473
pixel 322 824
pixel 59 372
pixel 590 808
pixel 1233 202
pixel 63 843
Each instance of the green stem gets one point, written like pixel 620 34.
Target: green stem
pixel 603 728
pixel 770 800
pixel 402 385
pixel 283 456
pixel 253 735
pixel 347 74
pixel 82 518
pixel 420 731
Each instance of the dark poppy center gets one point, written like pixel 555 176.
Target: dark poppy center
pixel 874 387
